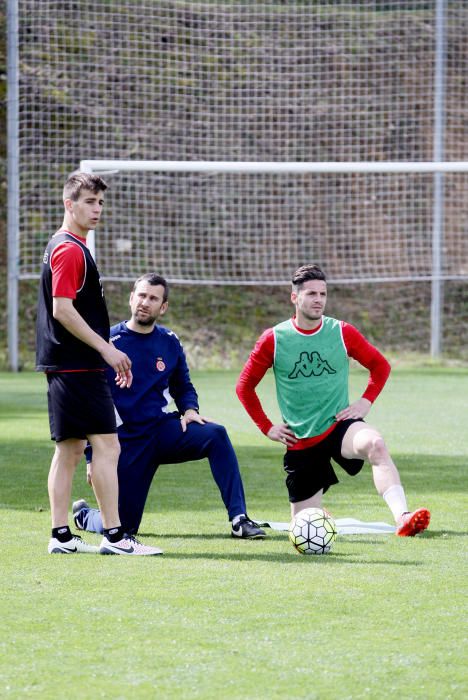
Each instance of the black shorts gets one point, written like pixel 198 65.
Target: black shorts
pixel 310 470
pixel 80 404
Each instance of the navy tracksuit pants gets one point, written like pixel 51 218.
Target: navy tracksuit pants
pixel 166 443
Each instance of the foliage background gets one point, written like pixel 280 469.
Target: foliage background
pixel 219 325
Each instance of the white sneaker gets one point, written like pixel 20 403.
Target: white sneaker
pixel 128 545
pixel 73 546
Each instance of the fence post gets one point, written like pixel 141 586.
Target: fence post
pixel 13 183
pixel 438 206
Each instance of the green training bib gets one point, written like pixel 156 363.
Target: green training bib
pixel 311 373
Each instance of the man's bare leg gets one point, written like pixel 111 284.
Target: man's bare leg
pixel 64 462
pixel 314 501
pixel 106 451
pixel 364 442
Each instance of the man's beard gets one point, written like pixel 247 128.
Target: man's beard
pixel 317 315
pixel 146 321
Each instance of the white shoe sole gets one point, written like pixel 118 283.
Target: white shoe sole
pixel 59 548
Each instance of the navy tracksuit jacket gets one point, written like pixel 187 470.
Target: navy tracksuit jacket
pixel 151 434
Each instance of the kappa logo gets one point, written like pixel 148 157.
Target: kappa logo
pixel 310 364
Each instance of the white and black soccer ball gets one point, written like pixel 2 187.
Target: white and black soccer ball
pixel 312 531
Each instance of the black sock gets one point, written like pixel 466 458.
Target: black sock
pixel 113 534
pixel 62 534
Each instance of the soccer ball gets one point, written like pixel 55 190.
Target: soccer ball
pixel 312 531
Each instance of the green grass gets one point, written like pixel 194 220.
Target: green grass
pixel 379 617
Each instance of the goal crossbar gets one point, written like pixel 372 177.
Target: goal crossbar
pixel 258 167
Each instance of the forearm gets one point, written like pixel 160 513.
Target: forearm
pixel 369 357
pixel 184 395
pixel 245 390
pixel 186 400
pixel 259 362
pixel 379 373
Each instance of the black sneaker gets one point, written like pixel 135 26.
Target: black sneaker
pixel 246 529
pixel 80 510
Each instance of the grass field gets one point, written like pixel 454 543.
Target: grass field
pixel 379 617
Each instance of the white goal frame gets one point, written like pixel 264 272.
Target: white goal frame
pixel 438 168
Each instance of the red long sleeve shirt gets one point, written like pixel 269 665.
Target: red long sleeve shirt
pixel 262 357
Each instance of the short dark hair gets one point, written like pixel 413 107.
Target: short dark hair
pixel 153 279
pixel 306 273
pixel 77 182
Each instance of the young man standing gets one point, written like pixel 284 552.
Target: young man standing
pixel 151 434
pixel 73 349
pixel 309 355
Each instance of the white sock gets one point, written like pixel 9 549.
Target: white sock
pixel 395 499
pixel 236 519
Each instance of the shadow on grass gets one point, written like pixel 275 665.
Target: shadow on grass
pixel 348 539
pixel 441 534
pixel 292 558
pixel 24 465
